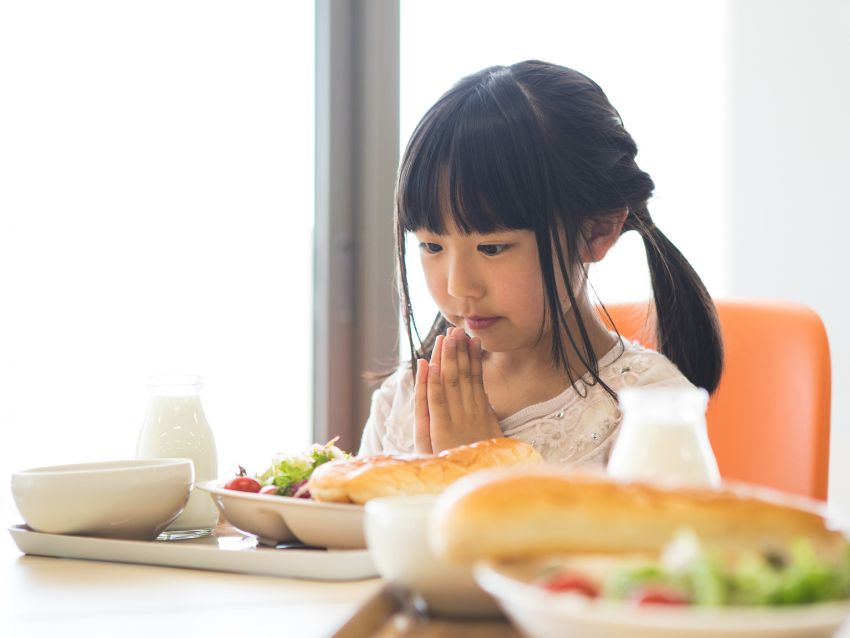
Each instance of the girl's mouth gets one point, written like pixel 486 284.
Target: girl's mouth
pixel 479 323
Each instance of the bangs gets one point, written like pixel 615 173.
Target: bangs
pixel 476 158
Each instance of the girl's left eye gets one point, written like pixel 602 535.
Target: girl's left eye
pixel 492 250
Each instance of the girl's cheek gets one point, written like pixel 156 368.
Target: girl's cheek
pixel 436 283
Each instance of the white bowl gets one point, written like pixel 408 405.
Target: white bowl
pixel 397 536
pixel 117 499
pixel 542 614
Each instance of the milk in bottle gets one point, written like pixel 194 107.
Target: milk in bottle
pixel 663 438
pixel 175 426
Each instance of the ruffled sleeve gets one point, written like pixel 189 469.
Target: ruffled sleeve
pixel 390 411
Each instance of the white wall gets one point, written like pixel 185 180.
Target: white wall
pixel 789 163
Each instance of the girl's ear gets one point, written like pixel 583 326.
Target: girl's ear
pixel 604 232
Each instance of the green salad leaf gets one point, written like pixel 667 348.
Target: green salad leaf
pixel 289 471
pixel 754 579
pixel 622 583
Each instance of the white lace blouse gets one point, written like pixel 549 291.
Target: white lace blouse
pixel 574 428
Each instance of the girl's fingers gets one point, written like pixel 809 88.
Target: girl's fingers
pixel 464 369
pixel 420 409
pixel 437 352
pixel 438 414
pixel 450 380
pixel 476 373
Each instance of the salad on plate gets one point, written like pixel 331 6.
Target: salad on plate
pixel 289 473
pixel 689 573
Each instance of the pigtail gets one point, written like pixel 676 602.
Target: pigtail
pixel 688 331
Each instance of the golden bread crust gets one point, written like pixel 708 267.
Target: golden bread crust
pixel 364 478
pixel 529 514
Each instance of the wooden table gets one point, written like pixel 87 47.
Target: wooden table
pixel 54 597
pixel 63 597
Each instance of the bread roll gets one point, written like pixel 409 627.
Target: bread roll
pixel 361 479
pixel 530 514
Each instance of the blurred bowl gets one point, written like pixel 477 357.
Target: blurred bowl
pixel 539 613
pixel 134 499
pixel 397 536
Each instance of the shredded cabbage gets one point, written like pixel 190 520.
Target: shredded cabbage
pixel 754 579
pixel 289 471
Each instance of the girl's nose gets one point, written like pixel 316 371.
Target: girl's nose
pixel 464 281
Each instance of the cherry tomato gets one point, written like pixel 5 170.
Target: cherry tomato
pixel 269 489
pixel 243 484
pixel 658 595
pixel 571 582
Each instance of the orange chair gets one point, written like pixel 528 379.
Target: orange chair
pixel 768 421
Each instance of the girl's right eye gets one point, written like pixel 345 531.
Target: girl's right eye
pixel 430 248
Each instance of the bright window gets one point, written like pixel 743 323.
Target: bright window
pixel 156 216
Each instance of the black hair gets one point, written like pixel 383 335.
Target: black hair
pixel 537 146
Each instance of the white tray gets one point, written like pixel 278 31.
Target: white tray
pixel 227 550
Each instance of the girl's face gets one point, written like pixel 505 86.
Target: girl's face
pixel 490 285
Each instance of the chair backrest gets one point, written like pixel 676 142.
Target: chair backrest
pixel 768 421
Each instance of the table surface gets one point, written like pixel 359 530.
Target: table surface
pixel 63 597
pixel 42 596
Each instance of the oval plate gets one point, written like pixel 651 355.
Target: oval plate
pixel 541 614
pixel 283 518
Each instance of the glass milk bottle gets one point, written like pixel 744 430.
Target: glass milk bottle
pixel 175 426
pixel 663 438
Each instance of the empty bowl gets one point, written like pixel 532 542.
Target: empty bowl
pixel 134 499
pixel 397 536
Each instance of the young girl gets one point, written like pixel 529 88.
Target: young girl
pixel 513 182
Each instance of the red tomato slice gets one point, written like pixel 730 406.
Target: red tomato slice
pixel 658 595
pixel 571 582
pixel 243 484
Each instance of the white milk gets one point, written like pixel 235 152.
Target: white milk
pixel 175 426
pixel 663 438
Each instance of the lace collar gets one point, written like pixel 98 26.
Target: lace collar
pixel 571 394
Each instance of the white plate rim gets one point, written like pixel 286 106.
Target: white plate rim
pixel 613 614
pixel 216 486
